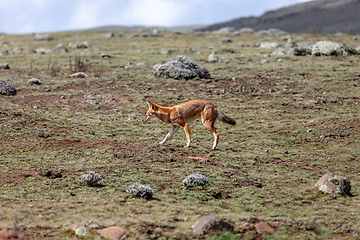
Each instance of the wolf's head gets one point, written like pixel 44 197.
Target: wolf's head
pixel 151 112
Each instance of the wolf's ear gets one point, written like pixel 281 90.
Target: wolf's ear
pixel 149 105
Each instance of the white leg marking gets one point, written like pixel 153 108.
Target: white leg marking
pixel 213 147
pixel 170 134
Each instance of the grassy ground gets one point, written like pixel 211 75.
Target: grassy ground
pixel 265 167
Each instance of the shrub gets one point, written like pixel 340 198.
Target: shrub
pixel 181 67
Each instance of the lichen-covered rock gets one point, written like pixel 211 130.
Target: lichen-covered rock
pixel 91 179
pixel 140 191
pixel 194 180
pixel 181 67
pixel 7 88
pixel 328 48
pixel 334 184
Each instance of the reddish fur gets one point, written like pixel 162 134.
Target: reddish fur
pixel 183 114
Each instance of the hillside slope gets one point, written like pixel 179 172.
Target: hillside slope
pixel 326 16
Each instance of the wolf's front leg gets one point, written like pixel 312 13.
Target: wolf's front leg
pixel 170 134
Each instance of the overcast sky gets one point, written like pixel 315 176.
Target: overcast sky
pixel 28 16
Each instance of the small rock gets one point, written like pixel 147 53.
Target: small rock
pixel 328 48
pixel 269 45
pixel 104 55
pixel 244 31
pixel 74 226
pixel 34 81
pixel 166 51
pixel 4 66
pixel 30 50
pixel 4 53
pixel 43 50
pixel 226 40
pixel 263 228
pixel 115 233
pixel 84 44
pixel 194 180
pixel 82 231
pixel 44 134
pixel 307 102
pixel 211 225
pixel 140 191
pixel 79 75
pixel 12 235
pixel 91 179
pixel 213 58
pixel 334 184
pixel 60 49
pixel 225 30
pixel 110 35
pixel 94 101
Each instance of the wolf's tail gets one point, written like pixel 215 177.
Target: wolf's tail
pixel 225 119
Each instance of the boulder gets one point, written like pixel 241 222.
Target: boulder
pixel 91 179
pixel 115 233
pixel 268 45
pixel 225 30
pixel 263 228
pixel 244 31
pixel 327 48
pixel 7 88
pixel 4 53
pixel 334 184
pixel 211 225
pixel 60 49
pixel 271 32
pixel 181 67
pixel 194 180
pixel 43 37
pixel 80 45
pixel 141 191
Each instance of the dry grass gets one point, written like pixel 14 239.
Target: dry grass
pixel 265 166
